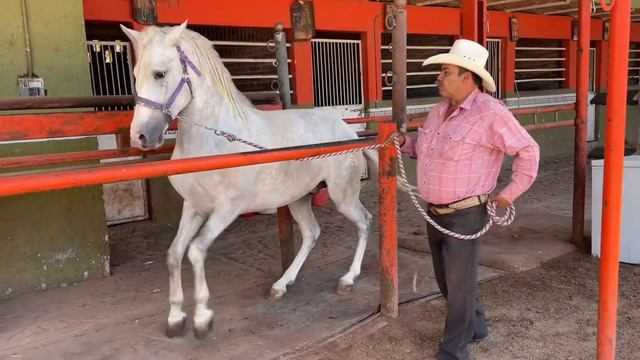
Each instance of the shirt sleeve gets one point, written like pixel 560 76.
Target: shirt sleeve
pixel 511 138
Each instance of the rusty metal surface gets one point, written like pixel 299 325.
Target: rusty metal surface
pixel 388 225
pixel 580 146
pixel 63 102
pixel 144 11
pixel 303 20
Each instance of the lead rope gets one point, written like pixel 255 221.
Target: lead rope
pixel 233 138
pixel 491 210
pixel 491 207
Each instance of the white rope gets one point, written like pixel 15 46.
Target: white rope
pixel 233 138
pixel 491 207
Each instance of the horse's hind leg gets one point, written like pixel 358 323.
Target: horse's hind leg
pixel 215 224
pixel 302 214
pixel 348 203
pixel 190 223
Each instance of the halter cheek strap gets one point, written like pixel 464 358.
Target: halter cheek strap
pixel 165 108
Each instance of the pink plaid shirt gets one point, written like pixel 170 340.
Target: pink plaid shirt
pixel 462 156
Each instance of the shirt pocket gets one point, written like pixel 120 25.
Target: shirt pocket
pixel 453 147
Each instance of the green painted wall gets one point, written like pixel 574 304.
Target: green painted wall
pixel 632 125
pixel 60 237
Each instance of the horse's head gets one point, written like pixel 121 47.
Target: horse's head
pixel 163 87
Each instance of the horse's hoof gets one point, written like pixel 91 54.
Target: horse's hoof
pixel 177 328
pixel 344 288
pixel 276 294
pixel 201 332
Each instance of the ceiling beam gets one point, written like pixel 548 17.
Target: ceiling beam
pixel 430 2
pixel 539 6
pixel 502 2
pixel 563 11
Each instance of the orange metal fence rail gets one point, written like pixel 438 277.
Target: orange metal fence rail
pixel 63 179
pixel 44 126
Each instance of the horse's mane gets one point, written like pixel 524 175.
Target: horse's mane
pixel 213 68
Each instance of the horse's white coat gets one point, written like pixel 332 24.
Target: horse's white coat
pixel 213 199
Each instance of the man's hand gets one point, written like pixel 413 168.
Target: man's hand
pixel 400 136
pixel 501 202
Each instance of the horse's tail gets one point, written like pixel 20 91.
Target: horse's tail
pixel 372 168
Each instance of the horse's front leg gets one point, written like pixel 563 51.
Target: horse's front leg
pixel 190 223
pixel 215 224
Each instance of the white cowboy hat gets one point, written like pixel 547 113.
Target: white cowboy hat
pixel 469 55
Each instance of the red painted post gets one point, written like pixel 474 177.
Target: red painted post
pixel 469 13
pixel 571 63
pixel 388 224
pixel 509 63
pixel 303 69
pixel 582 105
pixel 613 175
pixel 483 22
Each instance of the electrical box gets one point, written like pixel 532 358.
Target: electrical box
pixel 630 228
pixel 31 86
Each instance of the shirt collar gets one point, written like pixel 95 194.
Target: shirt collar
pixel 466 104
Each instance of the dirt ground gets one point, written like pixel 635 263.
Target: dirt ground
pixel 537 308
pixel 548 312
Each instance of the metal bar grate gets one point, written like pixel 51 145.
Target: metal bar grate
pixel 337 72
pixel 540 65
pixel 493 64
pixel 110 70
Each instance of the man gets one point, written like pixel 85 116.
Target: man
pixel 459 152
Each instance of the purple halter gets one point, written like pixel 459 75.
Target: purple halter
pixel 166 107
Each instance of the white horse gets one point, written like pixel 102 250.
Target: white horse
pixel 167 60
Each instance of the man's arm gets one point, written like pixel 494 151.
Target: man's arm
pixel 514 140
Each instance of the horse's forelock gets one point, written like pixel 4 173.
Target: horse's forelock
pixel 208 58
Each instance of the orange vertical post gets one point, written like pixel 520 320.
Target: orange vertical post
pixel 389 297
pixel 602 60
pixel 303 70
pixel 613 177
pixel 582 105
pixel 388 224
pixel 509 64
pixel 570 64
pixel 483 22
pixel 469 14
pixel 371 43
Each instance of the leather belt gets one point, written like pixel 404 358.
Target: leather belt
pixel 458 205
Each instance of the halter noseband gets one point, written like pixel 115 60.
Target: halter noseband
pixel 166 107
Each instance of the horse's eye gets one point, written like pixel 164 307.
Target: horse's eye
pixel 159 75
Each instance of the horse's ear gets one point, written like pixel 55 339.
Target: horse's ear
pixel 132 35
pixel 175 33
